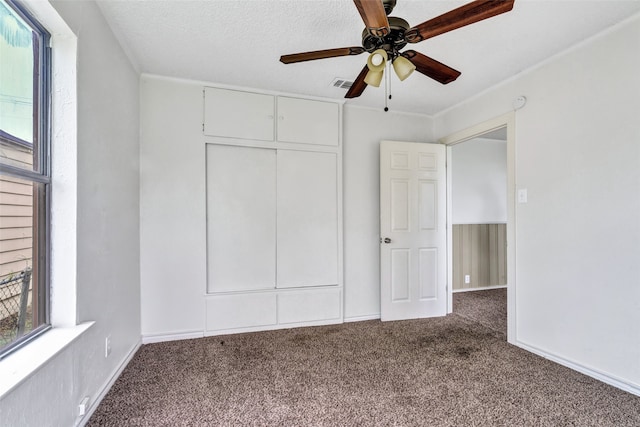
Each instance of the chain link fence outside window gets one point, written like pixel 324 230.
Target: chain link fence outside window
pixel 15 319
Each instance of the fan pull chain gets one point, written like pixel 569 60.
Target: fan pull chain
pixel 387 86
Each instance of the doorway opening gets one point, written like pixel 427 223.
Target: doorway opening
pixel 479 212
pixel 480 219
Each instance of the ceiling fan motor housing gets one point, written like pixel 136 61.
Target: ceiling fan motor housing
pixel 388 6
pixel 392 42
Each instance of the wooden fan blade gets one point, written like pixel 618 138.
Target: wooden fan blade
pixel 431 68
pixel 464 15
pixel 358 85
pixel 374 16
pixel 321 54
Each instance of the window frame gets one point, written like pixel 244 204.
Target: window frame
pixel 40 175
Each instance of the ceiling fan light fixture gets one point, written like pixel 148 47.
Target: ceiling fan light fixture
pixel 377 60
pixel 403 67
pixel 385 36
pixel 374 78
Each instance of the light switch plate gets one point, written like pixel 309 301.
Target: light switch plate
pixel 522 195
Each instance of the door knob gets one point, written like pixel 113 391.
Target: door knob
pixel 387 240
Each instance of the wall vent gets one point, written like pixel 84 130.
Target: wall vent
pixel 341 83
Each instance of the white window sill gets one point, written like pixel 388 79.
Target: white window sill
pixel 24 362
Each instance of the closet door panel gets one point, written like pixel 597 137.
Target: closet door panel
pixel 241 218
pixel 309 305
pixel 307 219
pixel 238 114
pixel 307 121
pixel 233 311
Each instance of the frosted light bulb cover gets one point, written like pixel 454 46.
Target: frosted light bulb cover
pixel 403 67
pixel 377 60
pixel 373 78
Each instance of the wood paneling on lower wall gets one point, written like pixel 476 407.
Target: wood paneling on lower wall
pixel 479 250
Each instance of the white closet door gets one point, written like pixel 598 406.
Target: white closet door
pixel 307 219
pixel 241 218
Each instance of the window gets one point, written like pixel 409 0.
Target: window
pixel 25 176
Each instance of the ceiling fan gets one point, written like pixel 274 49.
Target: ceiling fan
pixel 384 36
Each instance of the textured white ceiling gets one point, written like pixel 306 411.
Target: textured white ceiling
pixel 239 43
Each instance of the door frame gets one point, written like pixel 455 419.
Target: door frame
pixel 508 121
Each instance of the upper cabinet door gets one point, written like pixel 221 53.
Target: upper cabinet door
pixel 308 122
pixel 237 114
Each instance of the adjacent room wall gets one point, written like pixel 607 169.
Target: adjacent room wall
pixel 479 211
pixel 363 130
pixel 479 181
pixel 578 237
pixel 107 287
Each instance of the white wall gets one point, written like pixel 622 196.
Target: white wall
pixel 479 181
pixel 108 280
pixel 107 287
pixel 363 131
pixel 578 237
pixel 172 207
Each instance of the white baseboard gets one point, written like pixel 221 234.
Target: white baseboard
pixel 485 288
pixel 593 373
pixel 107 385
pixel 154 338
pixel 362 318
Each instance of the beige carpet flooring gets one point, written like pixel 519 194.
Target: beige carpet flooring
pixel 486 307
pixel 450 371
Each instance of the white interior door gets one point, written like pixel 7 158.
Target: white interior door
pixel 413 256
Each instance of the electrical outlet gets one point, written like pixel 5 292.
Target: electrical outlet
pixel 467 279
pixel 83 406
pixel 107 346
